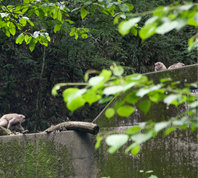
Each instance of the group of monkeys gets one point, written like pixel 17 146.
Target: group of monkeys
pixel 160 66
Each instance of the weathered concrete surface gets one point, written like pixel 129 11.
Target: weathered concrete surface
pixel 77 147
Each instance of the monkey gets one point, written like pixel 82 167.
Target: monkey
pixel 12 120
pixel 178 65
pixel 159 66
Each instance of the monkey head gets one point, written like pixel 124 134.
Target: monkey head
pixel 22 117
pixel 159 66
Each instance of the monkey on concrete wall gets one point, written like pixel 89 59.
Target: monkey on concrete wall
pixel 159 66
pixel 12 120
pixel 178 65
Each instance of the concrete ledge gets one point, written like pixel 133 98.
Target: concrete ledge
pixel 71 152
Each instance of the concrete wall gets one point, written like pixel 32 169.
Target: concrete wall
pixel 71 154
pixel 66 154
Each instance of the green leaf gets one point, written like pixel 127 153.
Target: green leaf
pixel 98 139
pixel 130 147
pixel 125 111
pixel 84 36
pixel 117 70
pixel 113 90
pixel 76 103
pixel 26 1
pixel 106 74
pixel 124 7
pixel 95 80
pixel 20 38
pixel 32 44
pixel 135 150
pixel 153 176
pixel 132 130
pixel 132 98
pixel 167 27
pixel 83 13
pixel 68 92
pixel 55 88
pixel 125 26
pixel 70 21
pixel 141 137
pixel 147 172
pixel 170 130
pixel 116 141
pixel 194 104
pixel 134 31
pixel 172 99
pixel 91 97
pixel 148 30
pixel 145 106
pixel 12 28
pixel 144 91
pixel 165 80
pixel 57 27
pixel 131 7
pixel 60 18
pixel 75 95
pixel 105 100
pixel 161 125
pixel 109 113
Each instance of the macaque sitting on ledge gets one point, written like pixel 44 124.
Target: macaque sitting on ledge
pixel 13 120
pixel 178 65
pixel 159 66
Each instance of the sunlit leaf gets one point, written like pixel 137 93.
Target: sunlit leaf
pixel 116 141
pixel 132 130
pixel 20 38
pixel 172 99
pixel 75 95
pixel 83 13
pixel 98 139
pixel 75 103
pixel 161 125
pixel 125 26
pixel 95 80
pixel 134 31
pixel 125 111
pixel 91 97
pixel 12 28
pixel 113 90
pixel 167 27
pixel 67 92
pixel 145 106
pixel 141 137
pixel 32 44
pixel 109 113
pixel 106 74
pixel 132 98
pixel 135 150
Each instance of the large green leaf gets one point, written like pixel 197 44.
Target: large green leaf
pixel 125 111
pixel 141 137
pixel 109 113
pixel 116 141
pixel 125 26
pixel 145 106
pixel 83 13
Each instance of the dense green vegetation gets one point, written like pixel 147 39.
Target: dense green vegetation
pixel 28 77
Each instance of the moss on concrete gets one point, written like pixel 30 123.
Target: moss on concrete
pixel 34 159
